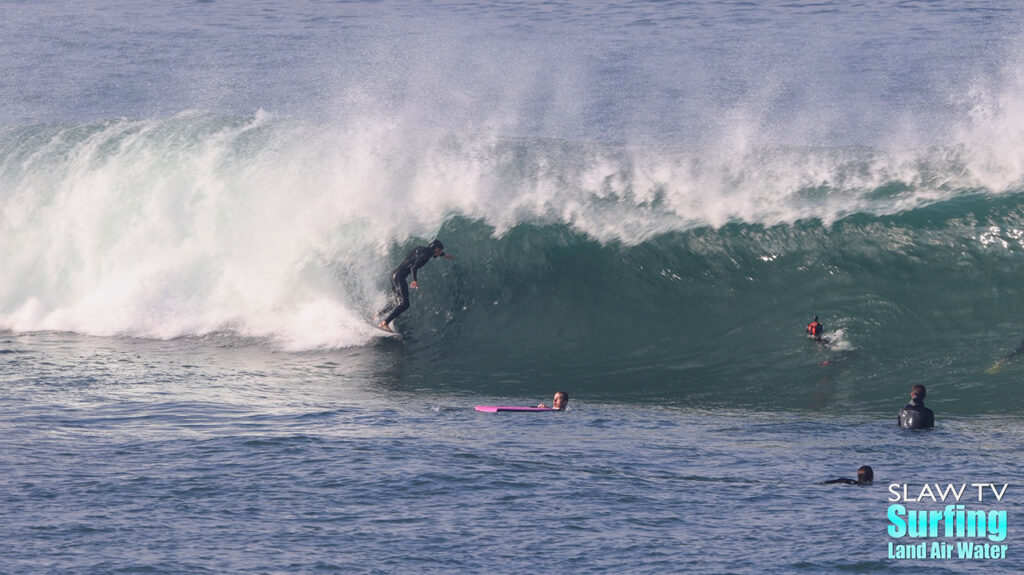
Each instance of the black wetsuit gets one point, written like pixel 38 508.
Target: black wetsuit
pixel 1020 349
pixel 844 481
pixel 915 415
pixel 416 259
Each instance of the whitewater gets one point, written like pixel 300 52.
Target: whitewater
pixel 280 229
pixel 201 204
pixel 282 225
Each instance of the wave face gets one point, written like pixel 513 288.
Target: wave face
pixel 674 269
pixel 645 200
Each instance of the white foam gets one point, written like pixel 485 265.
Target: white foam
pixel 281 229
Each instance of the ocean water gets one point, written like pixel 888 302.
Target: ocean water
pixel 201 202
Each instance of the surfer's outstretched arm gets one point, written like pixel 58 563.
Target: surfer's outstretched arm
pixel 1009 356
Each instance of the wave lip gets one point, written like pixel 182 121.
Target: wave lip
pixel 273 228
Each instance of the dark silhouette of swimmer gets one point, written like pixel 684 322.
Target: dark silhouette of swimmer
pixel 915 415
pixel 815 329
pixel 865 476
pixel 416 259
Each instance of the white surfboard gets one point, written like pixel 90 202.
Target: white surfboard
pixel 386 333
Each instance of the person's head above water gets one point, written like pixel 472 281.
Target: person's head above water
pixel 917 394
pixel 915 415
pixel 561 400
pixel 865 474
pixel 436 247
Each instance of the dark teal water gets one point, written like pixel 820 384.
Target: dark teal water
pixel 717 316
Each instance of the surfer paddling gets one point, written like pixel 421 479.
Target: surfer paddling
pixel 416 259
pixel 865 476
pixel 1002 362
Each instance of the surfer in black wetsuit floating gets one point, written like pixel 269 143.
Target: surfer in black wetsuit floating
pixel 865 476
pixel 416 259
pixel 915 415
pixel 815 329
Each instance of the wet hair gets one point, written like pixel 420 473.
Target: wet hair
pixel 917 391
pixel 436 245
pixel 865 474
pixel 564 394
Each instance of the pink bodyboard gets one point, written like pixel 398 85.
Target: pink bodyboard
pixel 497 408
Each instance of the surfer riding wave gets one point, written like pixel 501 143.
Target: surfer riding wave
pixel 415 259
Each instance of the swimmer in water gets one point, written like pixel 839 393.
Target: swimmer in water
pixel 559 402
pixel 815 329
pixel 915 415
pixel 865 476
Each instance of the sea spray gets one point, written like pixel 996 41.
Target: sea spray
pixel 275 228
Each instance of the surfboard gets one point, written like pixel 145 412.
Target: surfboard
pixel 384 333
pixel 497 408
